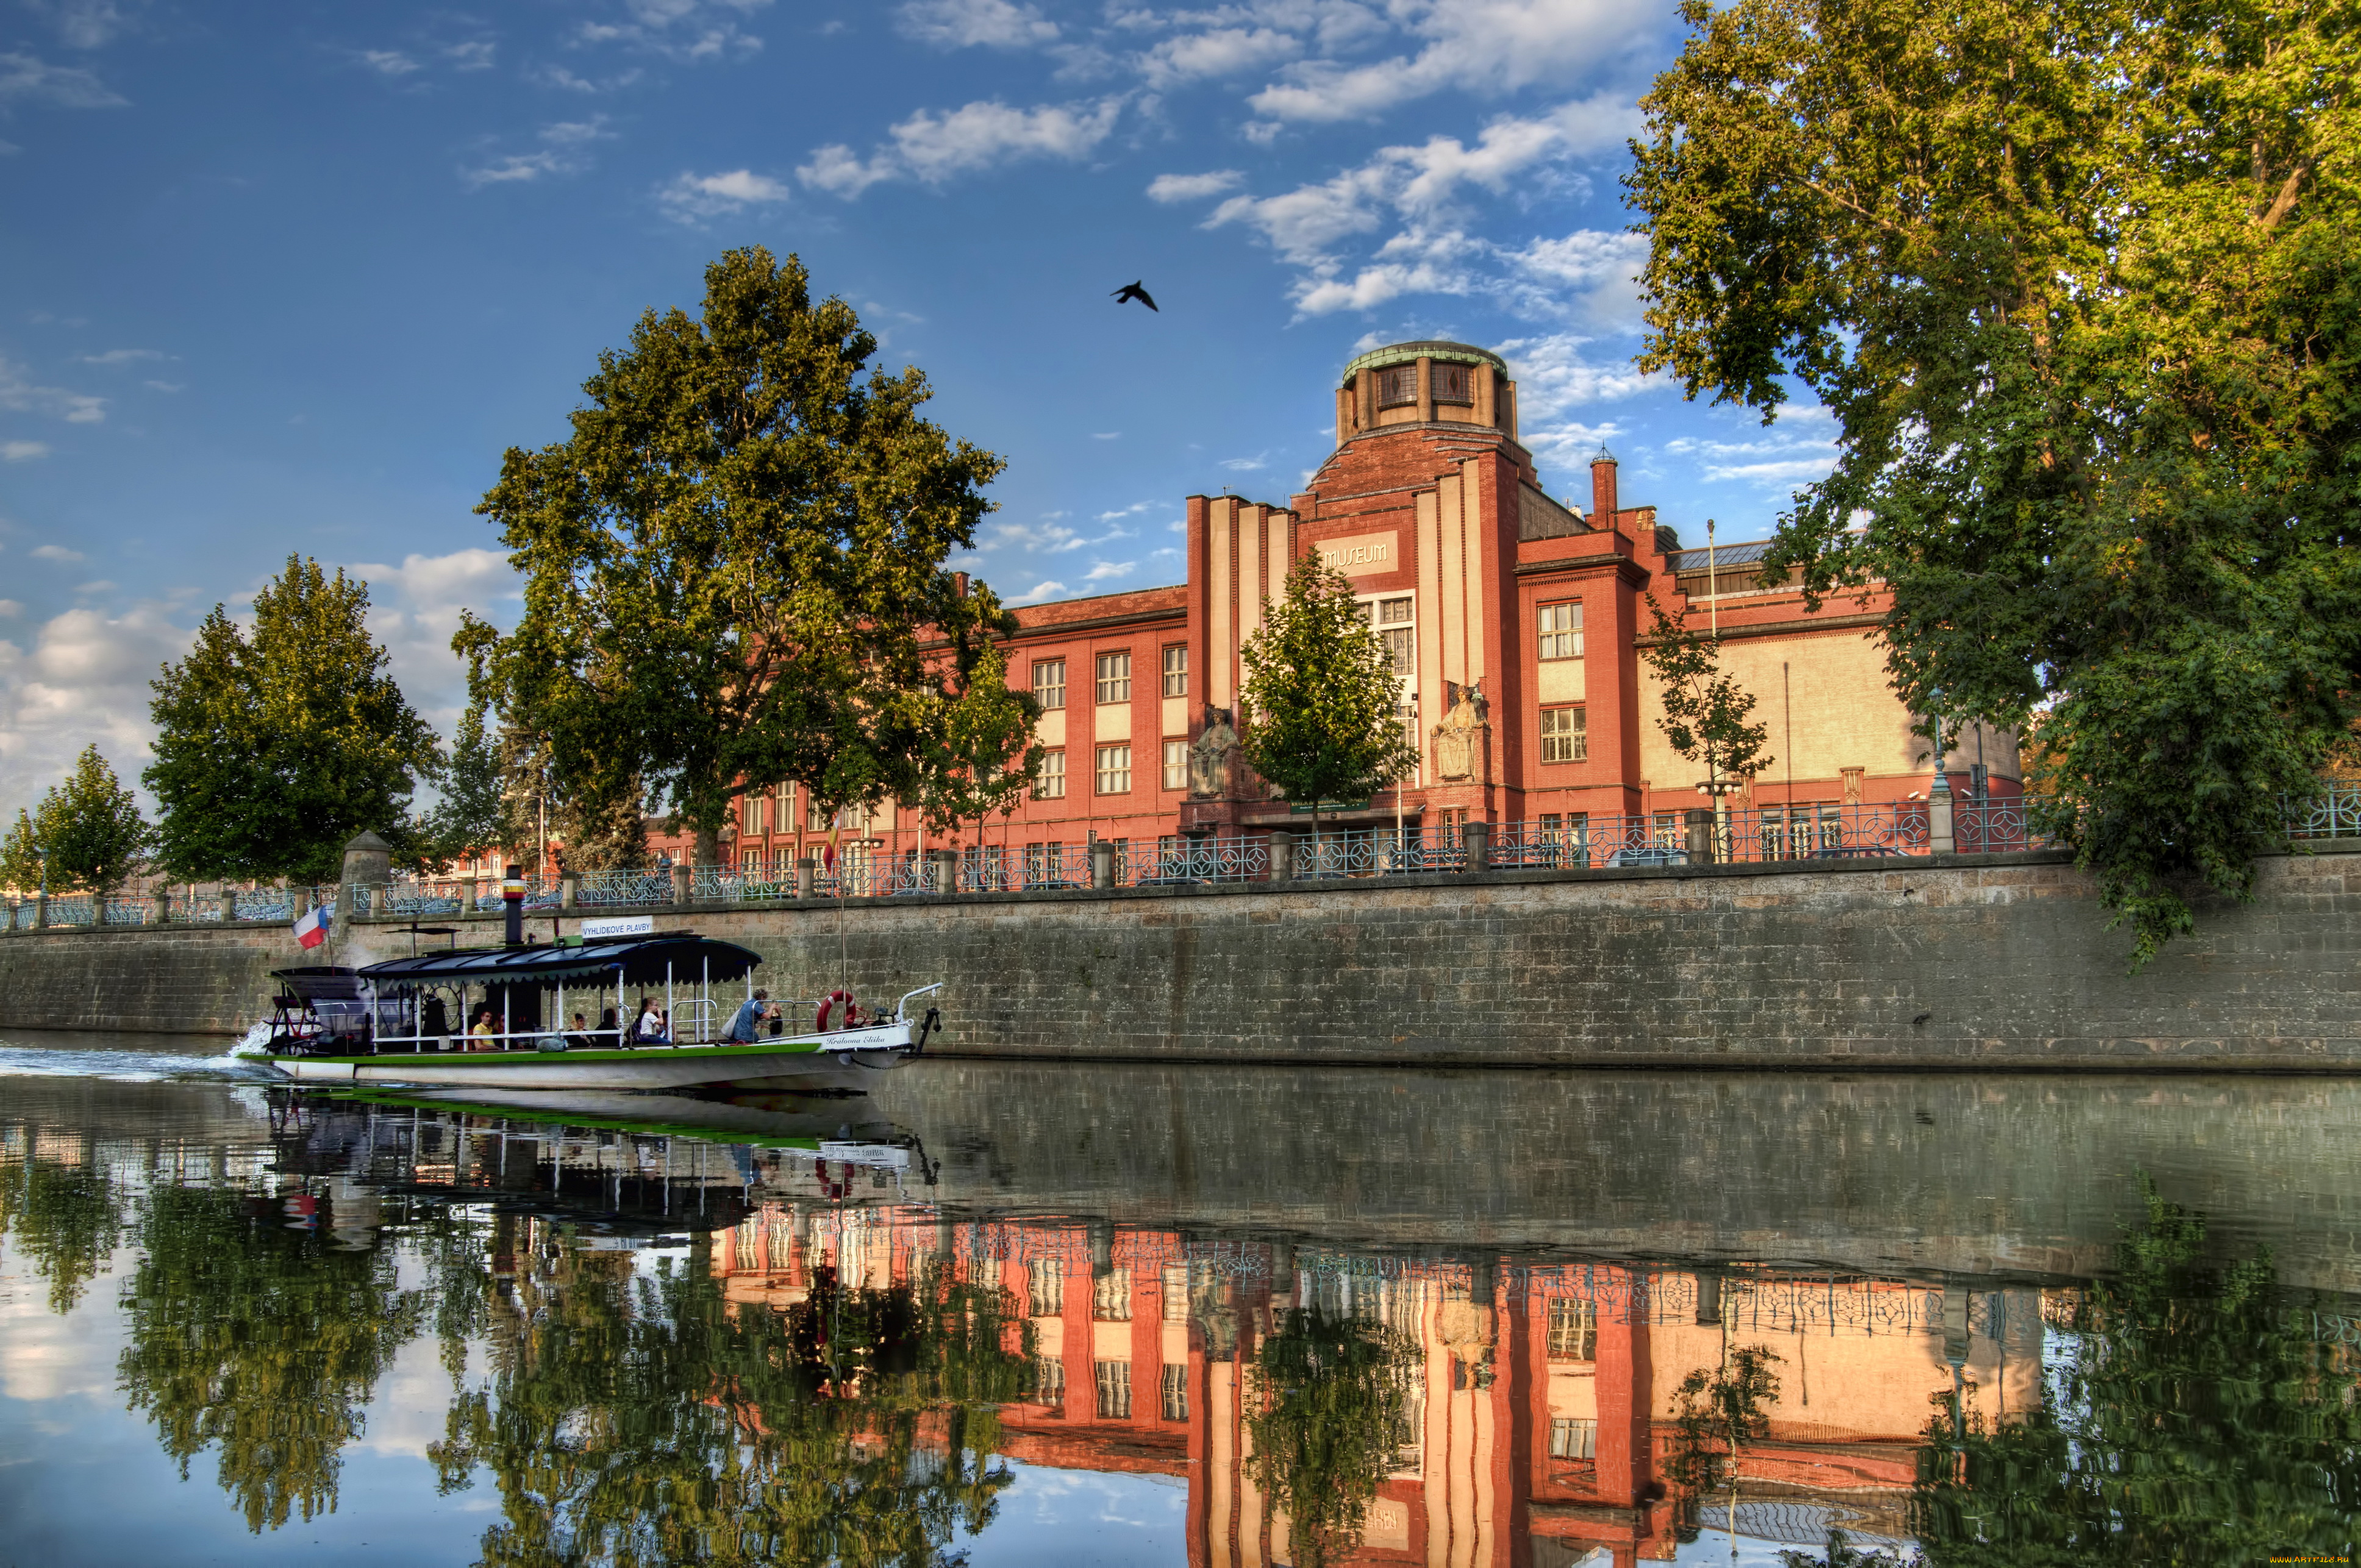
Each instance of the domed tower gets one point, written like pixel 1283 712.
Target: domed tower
pixel 1428 382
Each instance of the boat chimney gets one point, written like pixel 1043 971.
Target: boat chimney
pixel 513 906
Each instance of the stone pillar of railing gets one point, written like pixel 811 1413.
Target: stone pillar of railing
pixel 806 872
pixel 40 911
pixel 163 903
pixel 1939 838
pixel 946 871
pixel 1699 836
pixel 1282 856
pixel 97 910
pixel 229 904
pixel 566 889
pixel 684 884
pixel 1103 862
pixel 1476 838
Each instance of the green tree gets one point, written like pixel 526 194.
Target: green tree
pixel 2192 1414
pixel 2079 285
pixel 20 854
pixel 1705 710
pixel 275 748
pixel 1330 1424
pixel 263 1343
pixel 92 827
pixel 1320 715
pixel 981 756
pixel 733 565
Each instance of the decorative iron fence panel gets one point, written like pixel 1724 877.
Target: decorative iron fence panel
pixel 1175 861
pixel 624 889
pixel 2334 813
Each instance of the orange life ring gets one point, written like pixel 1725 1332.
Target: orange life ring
pixel 852 1012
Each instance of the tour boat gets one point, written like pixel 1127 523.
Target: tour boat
pixel 424 1020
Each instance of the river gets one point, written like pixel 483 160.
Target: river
pixel 1230 1317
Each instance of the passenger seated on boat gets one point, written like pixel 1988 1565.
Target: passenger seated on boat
pixel 482 1037
pixel 610 1032
pixel 745 1029
pixel 578 1038
pixel 654 1028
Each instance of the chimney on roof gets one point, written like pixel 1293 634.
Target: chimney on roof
pixel 1602 488
pixel 958 580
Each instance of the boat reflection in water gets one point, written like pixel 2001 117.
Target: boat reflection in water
pixel 784 1329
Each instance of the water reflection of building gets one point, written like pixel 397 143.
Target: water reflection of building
pixel 1542 1399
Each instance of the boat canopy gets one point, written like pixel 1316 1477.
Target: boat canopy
pixel 638 961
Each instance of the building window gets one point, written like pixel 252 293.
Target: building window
pixel 1573 1330
pixel 1398 387
pixel 1111 1296
pixel 1046 1287
pixel 1573 1437
pixel 1454 383
pixel 1565 737
pixel 1176 1392
pixel 1114 1389
pixel 1048 1381
pixel 1050 779
pixel 1037 861
pixel 1115 770
pixel 752 816
pixel 1176 670
pixel 1560 631
pixel 1176 1292
pixel 1050 682
pixel 1176 764
pixel 1114 678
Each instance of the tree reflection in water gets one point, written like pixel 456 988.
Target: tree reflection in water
pixel 65 1216
pixel 643 1419
pixel 1331 1425
pixel 261 1338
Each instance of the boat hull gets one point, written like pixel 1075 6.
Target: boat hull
pixel 843 1059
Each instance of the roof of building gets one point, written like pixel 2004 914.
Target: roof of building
pixel 1720 556
pixel 1174 598
pixel 1425 348
pixel 639 960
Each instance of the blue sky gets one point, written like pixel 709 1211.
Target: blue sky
pixel 290 277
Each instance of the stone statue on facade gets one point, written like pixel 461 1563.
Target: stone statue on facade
pixel 1209 758
pixel 1459 736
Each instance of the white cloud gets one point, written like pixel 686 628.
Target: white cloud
pixel 693 198
pixel 564 149
pixel 959 24
pixel 1218 51
pixel 1591 274
pixel 65 86
pixel 389 63
pixel 122 356
pixel 22 451
pixel 81 24
pixel 933 147
pixel 166 386
pixel 1106 435
pixel 83 682
pixel 1193 187
pixel 1781 456
pixel 414 608
pixel 684 30
pixel 1032 595
pixel 1247 465
pixel 101 586
pixel 1107 571
pixel 475 55
pixel 1475 46
pixel 10 609
pixel 59 554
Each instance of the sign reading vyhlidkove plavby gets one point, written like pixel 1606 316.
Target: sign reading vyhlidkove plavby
pixel 621 925
pixel 1362 555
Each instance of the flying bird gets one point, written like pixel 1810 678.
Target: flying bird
pixel 1132 291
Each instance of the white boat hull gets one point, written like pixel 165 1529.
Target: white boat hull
pixel 839 1058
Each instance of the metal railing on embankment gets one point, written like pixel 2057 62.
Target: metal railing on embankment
pixel 1803 833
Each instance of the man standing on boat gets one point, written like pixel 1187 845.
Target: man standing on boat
pixel 745 1028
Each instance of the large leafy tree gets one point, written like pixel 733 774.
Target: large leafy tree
pixel 1321 707
pixel 735 565
pixel 275 747
pixel 2079 285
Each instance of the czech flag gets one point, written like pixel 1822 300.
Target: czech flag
pixel 313 929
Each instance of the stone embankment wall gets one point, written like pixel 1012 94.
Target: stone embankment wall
pixel 1983 961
